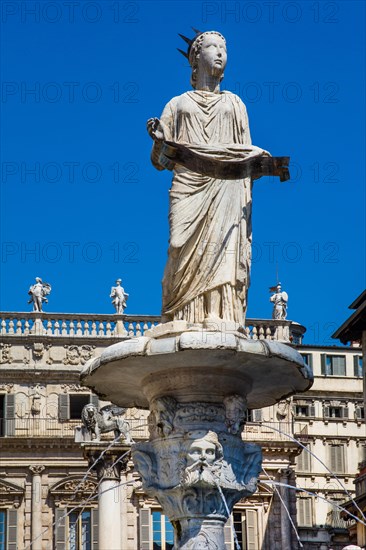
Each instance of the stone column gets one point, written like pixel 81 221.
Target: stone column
pixel 108 465
pixel 285 520
pixel 36 506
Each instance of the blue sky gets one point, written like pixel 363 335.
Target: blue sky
pixel 81 203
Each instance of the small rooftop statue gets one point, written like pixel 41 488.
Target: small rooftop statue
pixel 279 300
pixel 119 297
pixel 38 293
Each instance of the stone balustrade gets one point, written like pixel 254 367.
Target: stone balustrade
pixel 86 326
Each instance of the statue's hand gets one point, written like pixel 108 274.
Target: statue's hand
pixel 266 153
pixel 155 129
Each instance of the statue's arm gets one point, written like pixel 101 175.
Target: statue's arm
pixel 160 130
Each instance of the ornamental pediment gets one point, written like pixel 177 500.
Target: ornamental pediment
pixel 10 493
pixel 73 489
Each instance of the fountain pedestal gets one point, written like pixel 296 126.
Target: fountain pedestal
pixel 198 385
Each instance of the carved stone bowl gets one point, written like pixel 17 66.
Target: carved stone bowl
pixel 197 366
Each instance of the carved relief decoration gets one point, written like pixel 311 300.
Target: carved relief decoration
pixel 74 489
pixel 37 349
pixel 5 353
pixel 78 355
pixel 6 387
pixel 66 388
pixel 10 494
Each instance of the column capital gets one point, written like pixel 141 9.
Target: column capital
pixel 107 463
pixel 36 469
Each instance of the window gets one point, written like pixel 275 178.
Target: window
pixel 359 412
pixel 357 366
pixel 304 408
pixel 8 530
pixel 254 415
pixel 301 410
pixel 333 365
pixel 2 529
pixel 77 530
pixel 336 458
pixel 303 461
pixel 246 528
pixel 162 532
pixel 80 530
pixel 7 414
pixel 308 358
pixel 305 512
pixel 71 405
pixel 156 531
pixel 335 411
pixel 76 404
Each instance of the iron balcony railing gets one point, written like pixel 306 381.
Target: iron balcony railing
pixel 52 427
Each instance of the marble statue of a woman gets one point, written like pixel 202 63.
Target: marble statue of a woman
pixel 206 278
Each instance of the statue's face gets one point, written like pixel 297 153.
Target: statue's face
pixel 212 57
pixel 203 450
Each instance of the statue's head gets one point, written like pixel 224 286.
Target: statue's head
pixel 89 412
pixel 206 449
pixel 206 53
pixel 38 280
pixel 119 281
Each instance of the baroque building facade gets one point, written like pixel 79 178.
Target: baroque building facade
pixel 49 491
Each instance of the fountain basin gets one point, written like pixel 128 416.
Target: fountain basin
pixel 197 366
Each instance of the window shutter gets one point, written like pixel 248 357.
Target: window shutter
pixel 303 461
pixel 345 412
pixel 337 459
pixel 340 457
pixel 339 365
pixel 63 407
pixel 300 461
pixel 252 530
pixel 308 512
pixel 333 458
pixel 94 526
pixel 10 414
pixel 227 534
pixel 310 360
pixel 305 512
pixel 144 529
pixel 60 529
pixel 358 413
pixel 12 530
pixel 94 400
pixel 312 410
pixel 326 412
pixel 323 361
pixel 357 368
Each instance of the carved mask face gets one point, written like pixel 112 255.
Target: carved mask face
pixel 201 450
pixel 212 57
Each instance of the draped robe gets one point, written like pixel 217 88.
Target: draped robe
pixel 210 219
